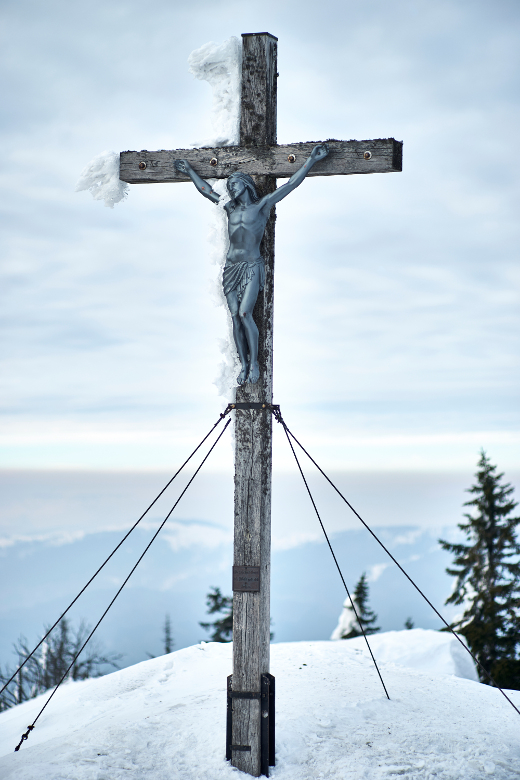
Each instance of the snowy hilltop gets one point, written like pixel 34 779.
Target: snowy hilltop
pixel 165 718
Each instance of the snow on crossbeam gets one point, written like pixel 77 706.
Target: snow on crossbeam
pixel 381 155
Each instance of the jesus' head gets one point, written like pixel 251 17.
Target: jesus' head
pixel 236 184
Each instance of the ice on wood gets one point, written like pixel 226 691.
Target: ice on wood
pixel 219 242
pixel 221 66
pixel 101 177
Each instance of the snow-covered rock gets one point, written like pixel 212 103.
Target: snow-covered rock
pixel 165 719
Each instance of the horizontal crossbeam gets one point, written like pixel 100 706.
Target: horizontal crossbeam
pixel 382 155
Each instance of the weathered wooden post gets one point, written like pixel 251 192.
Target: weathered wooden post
pixel 253 437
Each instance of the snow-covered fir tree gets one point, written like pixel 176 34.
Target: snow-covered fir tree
pixel 348 625
pixel 487 569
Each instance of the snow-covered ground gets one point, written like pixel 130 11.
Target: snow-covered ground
pixel 165 718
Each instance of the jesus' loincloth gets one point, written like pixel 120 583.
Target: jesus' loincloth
pixel 236 276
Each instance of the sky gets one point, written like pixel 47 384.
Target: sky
pixel 396 295
pixel 396 309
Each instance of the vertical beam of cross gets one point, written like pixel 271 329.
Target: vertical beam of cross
pixel 253 429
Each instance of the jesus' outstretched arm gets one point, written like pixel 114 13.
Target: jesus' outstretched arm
pixel 318 153
pixel 203 187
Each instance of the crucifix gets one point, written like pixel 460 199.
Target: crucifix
pixel 252 168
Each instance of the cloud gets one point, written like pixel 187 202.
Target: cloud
pixel 410 537
pixel 197 534
pixel 376 570
pixel 396 328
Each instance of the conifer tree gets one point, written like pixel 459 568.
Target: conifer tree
pixel 223 627
pixel 487 569
pixel 167 635
pixel 366 616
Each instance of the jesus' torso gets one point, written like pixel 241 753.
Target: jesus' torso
pixel 246 225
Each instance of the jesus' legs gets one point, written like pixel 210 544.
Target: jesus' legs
pixel 241 343
pixel 247 305
pixel 239 336
pixel 245 331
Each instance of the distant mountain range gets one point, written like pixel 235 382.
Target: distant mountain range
pixel 39 578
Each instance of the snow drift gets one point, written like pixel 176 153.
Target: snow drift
pixel 431 652
pixel 165 718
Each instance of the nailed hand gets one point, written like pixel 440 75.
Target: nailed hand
pixel 320 152
pixel 181 166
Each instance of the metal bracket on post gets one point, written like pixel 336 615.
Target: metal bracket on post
pixel 267 720
pixel 229 718
pixel 272 719
pixel 258 405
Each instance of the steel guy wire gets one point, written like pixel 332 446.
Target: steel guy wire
pixel 335 559
pixel 125 537
pixel 31 727
pixel 399 566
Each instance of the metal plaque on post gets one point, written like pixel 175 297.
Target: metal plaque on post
pixel 246 578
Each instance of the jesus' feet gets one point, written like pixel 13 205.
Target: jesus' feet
pixel 241 378
pixel 254 374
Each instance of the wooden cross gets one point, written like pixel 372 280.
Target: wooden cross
pixel 260 156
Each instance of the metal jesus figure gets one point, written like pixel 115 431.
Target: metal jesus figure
pixel 244 270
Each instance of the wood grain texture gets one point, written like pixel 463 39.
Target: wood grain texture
pixel 345 158
pixel 258 100
pixel 253 434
